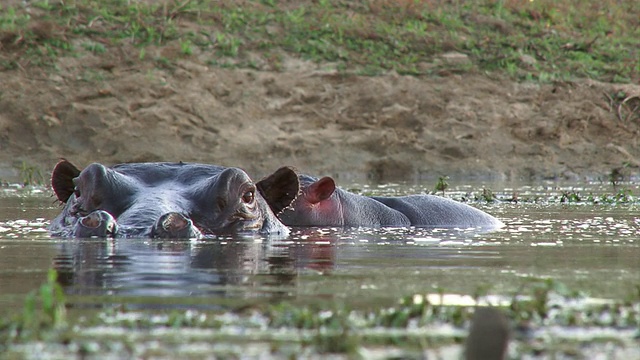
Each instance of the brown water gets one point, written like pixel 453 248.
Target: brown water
pixel 593 249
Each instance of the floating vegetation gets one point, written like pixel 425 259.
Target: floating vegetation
pixel 620 196
pixel 418 320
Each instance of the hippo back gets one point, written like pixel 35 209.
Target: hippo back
pixel 436 211
pixel 363 211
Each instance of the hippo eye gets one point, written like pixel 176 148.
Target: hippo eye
pixel 248 197
pixel 76 191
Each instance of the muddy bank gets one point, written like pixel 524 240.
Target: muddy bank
pixel 384 128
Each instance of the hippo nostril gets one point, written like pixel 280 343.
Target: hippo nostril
pixel 91 221
pixel 174 222
pixel 174 225
pixel 98 223
pixel 111 228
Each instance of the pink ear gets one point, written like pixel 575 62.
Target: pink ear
pixel 320 190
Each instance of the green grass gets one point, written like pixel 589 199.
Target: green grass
pixel 541 40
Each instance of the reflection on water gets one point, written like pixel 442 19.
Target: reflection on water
pixel 145 268
pixel 591 248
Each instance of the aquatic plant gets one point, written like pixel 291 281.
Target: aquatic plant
pixel 487 195
pixel 30 174
pixel 442 184
pixel 615 177
pixel 623 196
pixel 44 310
pixel 415 323
pixel 620 196
pixel 570 196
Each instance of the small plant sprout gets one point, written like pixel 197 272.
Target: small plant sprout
pixel 616 176
pixel 488 195
pixel 570 197
pixel 442 184
pixel 44 309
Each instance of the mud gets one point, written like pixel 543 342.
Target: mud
pixel 114 109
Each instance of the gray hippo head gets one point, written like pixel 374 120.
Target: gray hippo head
pixel 168 200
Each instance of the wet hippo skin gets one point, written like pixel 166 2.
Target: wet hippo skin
pixel 168 200
pixel 321 203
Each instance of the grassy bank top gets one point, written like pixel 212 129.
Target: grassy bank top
pixel 542 40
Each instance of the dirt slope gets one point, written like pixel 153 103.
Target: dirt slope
pixel 386 128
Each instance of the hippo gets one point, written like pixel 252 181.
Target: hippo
pixel 168 200
pixel 321 203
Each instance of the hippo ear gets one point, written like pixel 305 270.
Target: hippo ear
pixel 320 190
pixel 280 188
pixel 62 179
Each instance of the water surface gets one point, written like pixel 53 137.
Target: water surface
pixel 592 248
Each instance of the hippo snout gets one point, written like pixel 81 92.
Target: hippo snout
pixel 174 225
pixel 98 223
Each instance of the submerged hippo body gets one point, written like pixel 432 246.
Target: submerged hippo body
pixel 321 203
pixel 436 211
pixel 168 200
